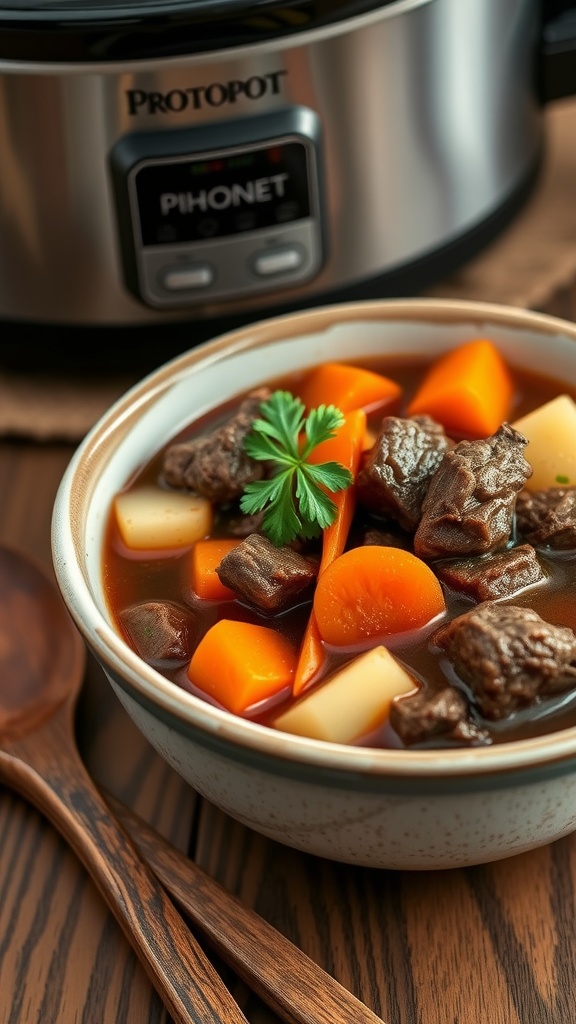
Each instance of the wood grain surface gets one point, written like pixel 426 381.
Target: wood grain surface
pixel 488 945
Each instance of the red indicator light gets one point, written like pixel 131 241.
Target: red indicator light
pixel 275 155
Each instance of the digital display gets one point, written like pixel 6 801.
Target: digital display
pixel 197 199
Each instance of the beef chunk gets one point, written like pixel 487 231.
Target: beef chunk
pixel 509 656
pixel 243 526
pixel 265 576
pixel 398 468
pixel 469 505
pixel 420 717
pixel 548 518
pixel 492 576
pixel 160 631
pixel 216 465
pixel 388 539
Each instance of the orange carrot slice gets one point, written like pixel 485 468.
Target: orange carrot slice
pixel 310 658
pixel 345 447
pixel 372 591
pixel 347 387
pixel 469 390
pixel 206 555
pixel 240 664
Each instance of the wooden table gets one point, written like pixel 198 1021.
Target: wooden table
pixel 485 945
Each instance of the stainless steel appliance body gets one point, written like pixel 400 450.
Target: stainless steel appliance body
pixel 315 159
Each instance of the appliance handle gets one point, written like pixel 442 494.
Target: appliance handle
pixel 557 57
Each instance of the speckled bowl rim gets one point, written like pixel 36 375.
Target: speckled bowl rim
pixel 179 707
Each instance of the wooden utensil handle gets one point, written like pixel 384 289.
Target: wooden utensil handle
pixel 52 776
pixel 292 984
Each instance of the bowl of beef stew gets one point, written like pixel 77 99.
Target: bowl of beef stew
pixel 328 565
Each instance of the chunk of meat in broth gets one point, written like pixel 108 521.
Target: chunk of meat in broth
pixel 422 717
pixel 161 632
pixel 216 464
pixel 387 538
pixel 469 506
pixel 492 577
pixel 267 577
pixel 547 518
pixel 398 468
pixel 509 657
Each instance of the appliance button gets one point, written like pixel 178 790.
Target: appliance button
pixel 278 261
pixel 188 276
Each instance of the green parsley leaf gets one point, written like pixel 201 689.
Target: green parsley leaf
pixel 293 498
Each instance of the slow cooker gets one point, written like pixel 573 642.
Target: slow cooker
pixel 173 168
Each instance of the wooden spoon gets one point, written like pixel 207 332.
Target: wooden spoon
pixel 292 984
pixel 42 660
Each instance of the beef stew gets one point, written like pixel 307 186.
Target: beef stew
pixel 486 552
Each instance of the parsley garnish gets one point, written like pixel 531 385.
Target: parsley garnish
pixel 294 498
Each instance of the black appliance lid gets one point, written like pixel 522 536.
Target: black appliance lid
pixel 97 31
pixel 105 7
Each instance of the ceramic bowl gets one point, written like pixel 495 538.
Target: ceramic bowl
pixel 394 809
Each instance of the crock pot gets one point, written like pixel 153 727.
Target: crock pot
pixel 171 168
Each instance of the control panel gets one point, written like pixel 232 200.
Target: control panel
pixel 220 211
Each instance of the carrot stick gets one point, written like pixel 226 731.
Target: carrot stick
pixel 310 658
pixel 240 664
pixel 372 591
pixel 469 390
pixel 347 387
pixel 345 447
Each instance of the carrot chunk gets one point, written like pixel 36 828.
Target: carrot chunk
pixel 347 387
pixel 371 591
pixel 239 664
pixel 469 390
pixel 205 557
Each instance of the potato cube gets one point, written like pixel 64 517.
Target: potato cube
pixel 551 449
pixel 352 702
pixel 152 518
